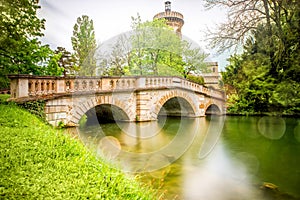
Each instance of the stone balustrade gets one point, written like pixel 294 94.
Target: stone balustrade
pixel 138 98
pixel 39 86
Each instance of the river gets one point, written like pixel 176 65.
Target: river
pixel 216 157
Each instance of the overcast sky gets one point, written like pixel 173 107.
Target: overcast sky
pixel 113 17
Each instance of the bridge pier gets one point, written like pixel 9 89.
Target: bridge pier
pixel 142 110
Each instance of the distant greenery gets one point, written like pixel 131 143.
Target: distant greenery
pixel 40 162
pixel 265 78
pixel 84 45
pixel 196 79
pixel 152 48
pixel 66 61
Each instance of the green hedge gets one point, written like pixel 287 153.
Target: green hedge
pixel 195 79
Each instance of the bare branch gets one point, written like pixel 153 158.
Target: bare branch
pixel 243 17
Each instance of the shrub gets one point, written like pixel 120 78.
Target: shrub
pixel 195 79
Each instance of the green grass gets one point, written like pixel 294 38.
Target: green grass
pixel 40 162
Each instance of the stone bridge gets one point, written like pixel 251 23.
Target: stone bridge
pixel 134 98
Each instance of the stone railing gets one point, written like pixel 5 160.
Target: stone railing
pixel 39 86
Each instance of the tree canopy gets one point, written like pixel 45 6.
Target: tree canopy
pixel 265 77
pixel 84 45
pixel 20 50
pixel 66 61
pixel 152 48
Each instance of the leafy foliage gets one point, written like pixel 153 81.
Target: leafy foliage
pixel 66 61
pixel 255 86
pixel 4 98
pixel 152 49
pixel 193 60
pixel 84 45
pixel 35 107
pixel 20 50
pixel 196 79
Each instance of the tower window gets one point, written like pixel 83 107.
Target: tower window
pixel 167 6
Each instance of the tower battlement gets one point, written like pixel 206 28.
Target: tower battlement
pixel 174 19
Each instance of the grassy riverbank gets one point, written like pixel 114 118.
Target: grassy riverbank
pixel 40 162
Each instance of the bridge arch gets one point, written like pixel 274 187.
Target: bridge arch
pixel 213 109
pixel 105 113
pixel 90 105
pixel 183 99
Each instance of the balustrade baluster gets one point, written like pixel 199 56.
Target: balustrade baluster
pixel 128 84
pixel 84 85
pixel 42 87
pixel 99 84
pixel 76 85
pixel 90 85
pixel 29 88
pixel 53 87
pixel 37 87
pixel 48 87
pixel 112 84
pixel 68 84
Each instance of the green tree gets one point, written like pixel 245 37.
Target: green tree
pixel 117 59
pixel 152 44
pixel 84 45
pixel 265 77
pixel 138 47
pixel 152 48
pixel 67 61
pixel 257 90
pixel 193 60
pixel 53 68
pixel 197 79
pixel 157 50
pixel 20 50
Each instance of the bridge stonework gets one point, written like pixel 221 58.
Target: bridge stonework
pixel 138 98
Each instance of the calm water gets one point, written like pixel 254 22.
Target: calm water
pixel 206 158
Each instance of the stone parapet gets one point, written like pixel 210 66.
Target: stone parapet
pixel 23 86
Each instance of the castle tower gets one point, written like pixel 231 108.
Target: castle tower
pixel 173 18
pixel 212 78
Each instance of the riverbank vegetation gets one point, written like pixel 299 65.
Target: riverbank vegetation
pixel 265 76
pixel 40 162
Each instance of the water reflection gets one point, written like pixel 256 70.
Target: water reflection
pixel 297 132
pixel 190 158
pixel 145 146
pixel 215 128
pixel 271 127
